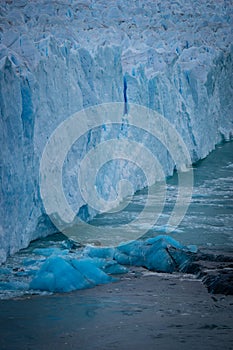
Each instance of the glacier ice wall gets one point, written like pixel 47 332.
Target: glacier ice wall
pixel 57 58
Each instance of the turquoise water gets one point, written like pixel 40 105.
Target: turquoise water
pixel 209 219
pixel 208 222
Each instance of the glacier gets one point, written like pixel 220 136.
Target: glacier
pixel 57 58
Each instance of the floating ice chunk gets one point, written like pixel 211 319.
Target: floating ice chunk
pixel 162 253
pixel 153 256
pixel 58 275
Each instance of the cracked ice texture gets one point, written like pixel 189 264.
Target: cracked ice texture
pixel 58 57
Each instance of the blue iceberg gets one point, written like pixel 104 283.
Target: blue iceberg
pixel 57 270
pixel 60 275
pixel 162 253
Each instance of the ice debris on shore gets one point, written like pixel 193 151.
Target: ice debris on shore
pixel 59 275
pixel 94 266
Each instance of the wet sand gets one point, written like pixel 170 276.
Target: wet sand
pixel 140 311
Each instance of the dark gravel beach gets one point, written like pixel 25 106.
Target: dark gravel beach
pixel 143 310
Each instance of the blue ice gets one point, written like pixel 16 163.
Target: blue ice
pixel 60 275
pixel 162 253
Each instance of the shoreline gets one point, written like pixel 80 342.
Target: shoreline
pixel 141 310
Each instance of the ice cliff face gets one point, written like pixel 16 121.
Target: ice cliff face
pixel 58 57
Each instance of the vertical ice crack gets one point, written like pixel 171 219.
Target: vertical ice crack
pixel 125 97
